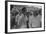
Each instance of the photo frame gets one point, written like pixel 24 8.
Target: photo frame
pixel 12 7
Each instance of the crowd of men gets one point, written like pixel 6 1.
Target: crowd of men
pixel 20 17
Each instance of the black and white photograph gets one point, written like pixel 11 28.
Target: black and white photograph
pixel 25 16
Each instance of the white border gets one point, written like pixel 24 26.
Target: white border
pixel 29 4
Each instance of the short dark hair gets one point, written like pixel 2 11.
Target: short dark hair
pixel 24 9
